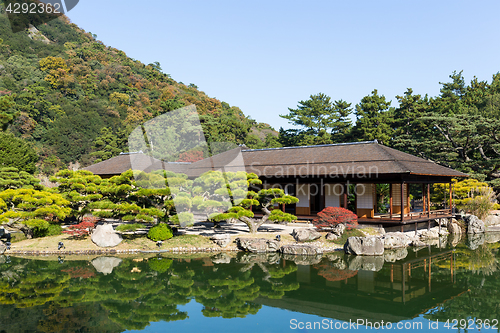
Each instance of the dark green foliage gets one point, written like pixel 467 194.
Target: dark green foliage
pixel 160 232
pixel 52 230
pixel 16 153
pixel 7 112
pixel 323 121
pixel 13 178
pixel 130 227
pixel 374 118
pixel 81 188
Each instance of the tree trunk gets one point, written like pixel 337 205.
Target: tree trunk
pixel 252 224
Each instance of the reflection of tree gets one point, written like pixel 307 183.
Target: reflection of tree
pixel 66 296
pixel 229 291
pixel 33 287
pixel 330 272
pixel 483 296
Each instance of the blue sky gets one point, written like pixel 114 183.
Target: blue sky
pixel 265 56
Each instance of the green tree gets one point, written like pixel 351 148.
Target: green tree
pixel 108 144
pixel 7 111
pixel 374 117
pixel 316 116
pixel 410 130
pixel 264 199
pixel 17 153
pixel 80 188
pixel 27 209
pixel 12 178
pixel 342 127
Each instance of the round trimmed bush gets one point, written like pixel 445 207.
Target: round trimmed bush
pixel 160 232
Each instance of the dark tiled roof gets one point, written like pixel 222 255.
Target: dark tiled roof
pixel 338 160
pixel 136 161
pixel 360 159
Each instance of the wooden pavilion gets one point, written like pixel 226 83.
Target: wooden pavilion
pixel 322 176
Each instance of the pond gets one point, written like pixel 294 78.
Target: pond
pixel 435 288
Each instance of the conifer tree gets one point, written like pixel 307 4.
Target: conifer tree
pixel 26 209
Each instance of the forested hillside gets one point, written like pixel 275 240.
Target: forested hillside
pixel 73 98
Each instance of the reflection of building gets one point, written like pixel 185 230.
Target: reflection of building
pixel 399 291
pixel 320 176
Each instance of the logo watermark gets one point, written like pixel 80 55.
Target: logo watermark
pixel 25 13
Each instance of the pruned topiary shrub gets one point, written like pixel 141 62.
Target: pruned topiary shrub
pixel 330 217
pixel 130 227
pixel 160 232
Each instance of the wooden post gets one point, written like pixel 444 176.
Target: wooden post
pixel 429 200
pixel 424 200
pixel 451 202
pixel 283 207
pixel 402 202
pixel 390 201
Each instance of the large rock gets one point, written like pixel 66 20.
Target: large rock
pixel 395 254
pixel 492 220
pixel 367 246
pixel 331 236
pixel 303 259
pixel 105 265
pixel 394 240
pixel 258 245
pixel 221 239
pixel 427 235
pixel 474 225
pixel 105 236
pixel 298 249
pixel 362 263
pixel 3 248
pixel 454 228
pixel 305 235
pixel 339 229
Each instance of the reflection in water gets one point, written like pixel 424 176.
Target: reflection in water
pixel 116 294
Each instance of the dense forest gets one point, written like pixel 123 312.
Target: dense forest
pixel 65 97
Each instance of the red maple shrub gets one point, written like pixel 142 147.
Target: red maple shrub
pixel 332 216
pixel 81 229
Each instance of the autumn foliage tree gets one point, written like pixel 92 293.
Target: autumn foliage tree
pixel 330 217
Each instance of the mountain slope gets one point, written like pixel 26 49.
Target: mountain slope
pixel 77 99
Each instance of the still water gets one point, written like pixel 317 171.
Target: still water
pixel 441 288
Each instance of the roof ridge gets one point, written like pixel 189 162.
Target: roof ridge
pixel 314 146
